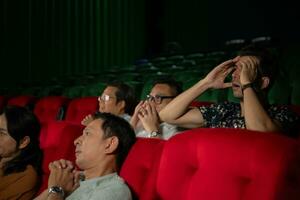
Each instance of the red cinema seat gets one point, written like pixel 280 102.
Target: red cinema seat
pixel 80 108
pixel 141 167
pixel 22 101
pixel 47 108
pixel 200 103
pixel 229 164
pixel 58 144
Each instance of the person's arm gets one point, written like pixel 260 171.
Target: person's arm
pixel 177 112
pixel 256 117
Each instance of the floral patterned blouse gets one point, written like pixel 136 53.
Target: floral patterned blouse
pixel 228 115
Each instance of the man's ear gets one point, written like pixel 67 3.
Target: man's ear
pixel 24 142
pixel 265 81
pixel 112 144
pixel 122 105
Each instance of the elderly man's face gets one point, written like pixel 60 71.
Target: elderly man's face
pixel 108 102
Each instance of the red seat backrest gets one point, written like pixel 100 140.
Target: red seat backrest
pixel 229 164
pixel 200 103
pixel 80 108
pixel 21 100
pixel 58 143
pixel 47 108
pixel 141 167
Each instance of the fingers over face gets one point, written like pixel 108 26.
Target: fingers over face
pixel 227 85
pixel 226 64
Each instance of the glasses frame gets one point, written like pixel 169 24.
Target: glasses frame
pixel 105 98
pixel 158 98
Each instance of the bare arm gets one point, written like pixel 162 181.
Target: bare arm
pixel 177 112
pixel 256 117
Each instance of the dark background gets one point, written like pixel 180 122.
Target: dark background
pixel 42 39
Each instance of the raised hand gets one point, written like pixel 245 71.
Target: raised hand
pixel 215 78
pixel 249 67
pixel 149 117
pixel 135 119
pixel 87 120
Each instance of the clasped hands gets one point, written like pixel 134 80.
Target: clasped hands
pixel 63 174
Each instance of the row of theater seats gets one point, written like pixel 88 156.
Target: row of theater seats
pixel 229 162
pixel 210 164
pixel 52 108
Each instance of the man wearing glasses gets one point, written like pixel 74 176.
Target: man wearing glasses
pixel 145 119
pixel 118 99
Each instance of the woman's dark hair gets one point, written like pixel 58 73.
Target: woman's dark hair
pixel 125 93
pixel 22 122
pixel 119 127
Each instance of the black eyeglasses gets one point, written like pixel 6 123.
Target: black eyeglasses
pixel 158 99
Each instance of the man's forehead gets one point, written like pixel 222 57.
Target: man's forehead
pixel 94 125
pixel 110 89
pixel 161 89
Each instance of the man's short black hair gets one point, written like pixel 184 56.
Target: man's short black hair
pixel 125 93
pixel 116 126
pixel 173 84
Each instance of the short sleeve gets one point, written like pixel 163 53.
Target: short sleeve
pixel 288 119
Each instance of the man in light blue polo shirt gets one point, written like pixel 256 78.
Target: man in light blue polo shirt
pixel 100 152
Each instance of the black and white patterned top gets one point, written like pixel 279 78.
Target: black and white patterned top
pixel 228 115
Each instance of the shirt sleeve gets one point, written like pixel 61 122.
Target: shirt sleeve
pixel 288 119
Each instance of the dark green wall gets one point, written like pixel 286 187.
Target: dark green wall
pixel 57 38
pixel 41 39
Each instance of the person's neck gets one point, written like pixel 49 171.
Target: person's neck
pixel 100 170
pixel 121 113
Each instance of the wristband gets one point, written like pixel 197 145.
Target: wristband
pixel 248 85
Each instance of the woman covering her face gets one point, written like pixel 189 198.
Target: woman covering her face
pixel 20 154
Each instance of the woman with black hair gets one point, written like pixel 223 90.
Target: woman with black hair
pixel 20 154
